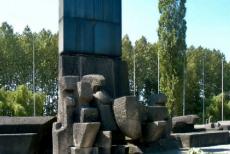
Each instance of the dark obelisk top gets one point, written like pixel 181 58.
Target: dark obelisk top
pixel 90 27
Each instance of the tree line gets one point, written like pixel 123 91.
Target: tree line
pixel 16 71
pixel 184 71
pixel 146 55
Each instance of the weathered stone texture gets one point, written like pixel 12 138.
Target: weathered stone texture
pixel 96 81
pixel 104 142
pixel 89 115
pixel 183 124
pixel 114 71
pixel 153 131
pixel 103 98
pixel 157 99
pixel 85 92
pixel 107 117
pixel 84 134
pixel 156 113
pixel 128 116
pixel 69 82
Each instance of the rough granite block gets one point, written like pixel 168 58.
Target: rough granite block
pixel 128 116
pixel 69 105
pixel 104 142
pixel 156 113
pixel 96 81
pixel 69 82
pixel 103 98
pixel 104 139
pixel 85 92
pixel 153 131
pixel 108 122
pixel 89 115
pixel 157 99
pixel 84 134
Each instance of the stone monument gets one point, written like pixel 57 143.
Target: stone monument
pixel 95 112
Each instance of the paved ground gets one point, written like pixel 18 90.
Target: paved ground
pixel 220 149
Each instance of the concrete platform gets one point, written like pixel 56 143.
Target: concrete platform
pixel 202 139
pixel 18 143
pixel 26 135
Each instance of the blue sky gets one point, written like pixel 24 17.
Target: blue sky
pixel 208 21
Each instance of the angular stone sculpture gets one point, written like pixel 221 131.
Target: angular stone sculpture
pixel 104 142
pixel 156 113
pixel 128 116
pixel 84 134
pixel 89 115
pixel 153 131
pixel 69 82
pixel 96 81
pixel 157 99
pixel 95 111
pixel 137 121
pixel 183 124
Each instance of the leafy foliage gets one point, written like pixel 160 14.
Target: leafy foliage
pixel 16 62
pixel 214 110
pixel 172 47
pixel 20 102
pixel 146 65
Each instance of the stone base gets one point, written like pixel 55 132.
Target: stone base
pixel 18 143
pixel 25 135
pixel 202 139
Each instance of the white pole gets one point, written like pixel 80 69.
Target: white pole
pixel 222 89
pixel 34 79
pixel 134 73
pixel 203 92
pixel 158 71
pixel 184 76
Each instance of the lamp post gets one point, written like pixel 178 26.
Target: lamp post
pixel 222 89
pixel 184 82
pixel 158 72
pixel 134 73
pixel 34 99
pixel 202 91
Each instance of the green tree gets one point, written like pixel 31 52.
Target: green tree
pixel 16 62
pixel 128 57
pixel 211 59
pixel 146 65
pixel 20 102
pixel 214 110
pixel 172 47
